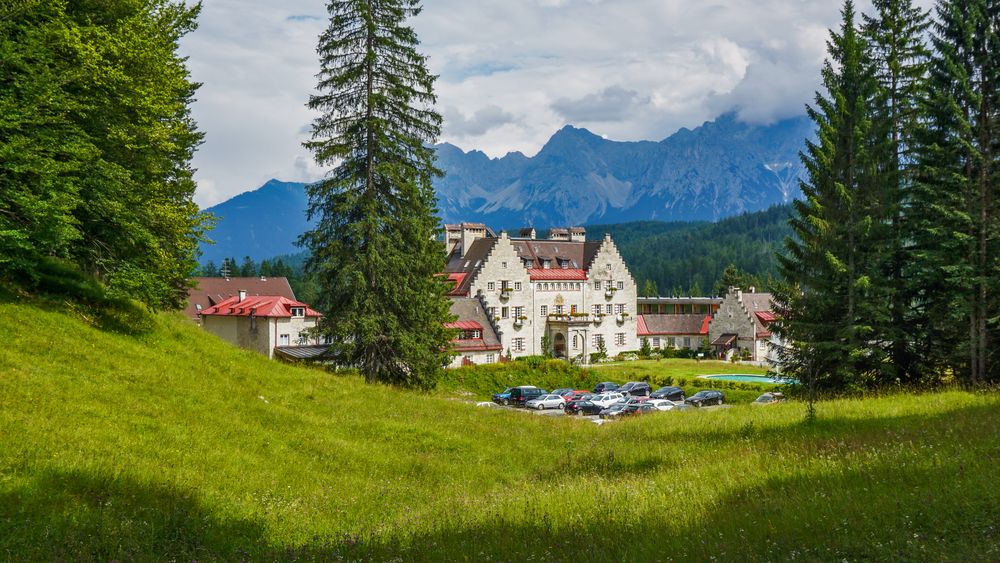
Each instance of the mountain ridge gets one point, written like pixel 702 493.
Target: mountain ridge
pixel 722 168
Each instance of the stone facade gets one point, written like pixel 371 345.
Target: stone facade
pixel 741 324
pixel 572 292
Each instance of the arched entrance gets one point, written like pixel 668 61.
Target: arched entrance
pixel 559 345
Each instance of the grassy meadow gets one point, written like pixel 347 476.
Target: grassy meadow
pixel 174 445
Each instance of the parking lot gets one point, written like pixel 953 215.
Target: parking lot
pixel 591 418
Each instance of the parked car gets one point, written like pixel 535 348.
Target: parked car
pixel 636 409
pixel 605 386
pixel 770 398
pixel 635 389
pixel 561 391
pixel 605 400
pixel 704 398
pixel 613 411
pixel 668 393
pixel 503 397
pixel 521 395
pixel 549 401
pixel 583 406
pixel 662 404
pixel 577 395
pixel 634 400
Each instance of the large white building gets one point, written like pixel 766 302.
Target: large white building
pixel 577 295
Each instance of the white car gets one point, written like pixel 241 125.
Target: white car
pixel 546 402
pixel 662 404
pixel 605 400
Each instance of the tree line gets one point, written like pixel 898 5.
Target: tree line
pixel 96 139
pixel 677 259
pixel 893 272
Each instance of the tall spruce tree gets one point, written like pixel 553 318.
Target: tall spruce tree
pixel 896 35
pixel 374 248
pixel 829 304
pixel 955 215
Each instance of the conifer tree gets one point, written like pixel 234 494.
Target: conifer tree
pixel 955 214
pixel 374 248
pixel 895 34
pixel 829 305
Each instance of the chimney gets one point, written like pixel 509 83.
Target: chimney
pixel 470 233
pixel 243 295
pixel 577 234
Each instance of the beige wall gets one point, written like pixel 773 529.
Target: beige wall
pixel 262 335
pixel 608 267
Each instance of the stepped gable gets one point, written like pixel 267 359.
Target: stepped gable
pixel 650 325
pixel 472 316
pixel 208 292
pixel 462 270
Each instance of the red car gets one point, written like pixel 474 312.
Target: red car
pixel 574 395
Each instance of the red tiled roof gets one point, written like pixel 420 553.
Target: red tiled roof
pixel 259 305
pixel 457 278
pixel 557 274
pixel 650 325
pixel 474 346
pixel 212 291
pixel 766 317
pixel 464 325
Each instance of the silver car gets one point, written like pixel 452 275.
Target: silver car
pixel 546 402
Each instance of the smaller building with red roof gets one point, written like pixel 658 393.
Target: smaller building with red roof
pixel 674 331
pixel 263 323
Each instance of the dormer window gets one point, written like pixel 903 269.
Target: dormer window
pixel 298 311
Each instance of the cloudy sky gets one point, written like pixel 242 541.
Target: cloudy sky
pixel 512 72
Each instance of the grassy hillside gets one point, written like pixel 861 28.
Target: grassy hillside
pixel 173 445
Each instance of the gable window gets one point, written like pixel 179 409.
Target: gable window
pixel 609 267
pixel 503 265
pixel 298 311
pixel 621 285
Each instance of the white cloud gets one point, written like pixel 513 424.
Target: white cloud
pixel 512 72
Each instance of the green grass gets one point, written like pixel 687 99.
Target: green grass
pixel 173 445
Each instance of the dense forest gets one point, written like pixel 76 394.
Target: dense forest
pixel 690 258
pixel 96 140
pixel 677 258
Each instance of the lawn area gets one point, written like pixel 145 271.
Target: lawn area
pixel 174 445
